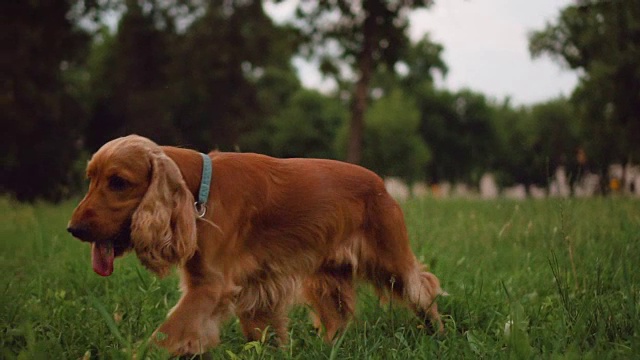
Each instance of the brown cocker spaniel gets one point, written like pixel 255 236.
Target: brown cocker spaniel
pixel 274 232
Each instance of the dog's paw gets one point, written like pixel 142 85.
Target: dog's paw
pixel 186 340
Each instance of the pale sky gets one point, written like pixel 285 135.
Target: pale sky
pixel 485 47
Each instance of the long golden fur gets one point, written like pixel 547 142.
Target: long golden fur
pixel 277 232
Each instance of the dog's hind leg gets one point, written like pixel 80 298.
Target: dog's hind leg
pixel 331 295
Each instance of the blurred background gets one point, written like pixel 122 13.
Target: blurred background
pixel 363 81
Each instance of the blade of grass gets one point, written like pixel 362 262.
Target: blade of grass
pixel 109 321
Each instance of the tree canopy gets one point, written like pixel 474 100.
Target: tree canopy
pixel 42 116
pixel 352 39
pixel 601 39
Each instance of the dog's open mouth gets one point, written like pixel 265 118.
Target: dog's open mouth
pixel 102 256
pixel 103 253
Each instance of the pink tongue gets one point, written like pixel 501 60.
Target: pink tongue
pixel 102 258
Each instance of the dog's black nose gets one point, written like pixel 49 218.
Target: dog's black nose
pixel 78 231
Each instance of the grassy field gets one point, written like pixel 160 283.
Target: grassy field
pixel 533 279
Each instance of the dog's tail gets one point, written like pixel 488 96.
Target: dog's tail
pixel 421 291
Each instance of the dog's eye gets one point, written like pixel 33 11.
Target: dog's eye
pixel 116 183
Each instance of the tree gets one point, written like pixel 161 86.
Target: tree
pixel 307 126
pixel 195 74
pixel 419 64
pixel 275 90
pixel 393 146
pixel 403 96
pixel 514 151
pixel 358 36
pixel 422 59
pixel 459 129
pixel 41 114
pixel 235 52
pixel 130 80
pixel 555 138
pixel 534 141
pixel 601 39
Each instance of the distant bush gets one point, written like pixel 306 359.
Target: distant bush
pixel 306 126
pixel 392 144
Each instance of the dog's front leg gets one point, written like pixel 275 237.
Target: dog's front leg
pixel 193 325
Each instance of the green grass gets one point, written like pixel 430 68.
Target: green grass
pixel 506 265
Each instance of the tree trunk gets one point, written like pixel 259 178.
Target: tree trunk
pixel 356 127
pixel 361 92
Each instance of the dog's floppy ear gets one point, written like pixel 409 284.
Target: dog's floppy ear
pixel 163 228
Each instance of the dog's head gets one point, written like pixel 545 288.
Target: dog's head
pixel 137 199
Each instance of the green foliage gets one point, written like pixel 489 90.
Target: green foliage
pixel 275 88
pixel 600 38
pixel 392 145
pixel 234 61
pixel 554 135
pixel 200 85
pixel 373 28
pixel 459 127
pixel 307 126
pixel 131 73
pixel 534 141
pixel 423 59
pixel 420 63
pixel 360 37
pixel 41 114
pixel 506 266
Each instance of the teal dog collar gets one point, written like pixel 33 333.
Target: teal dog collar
pixel 205 184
